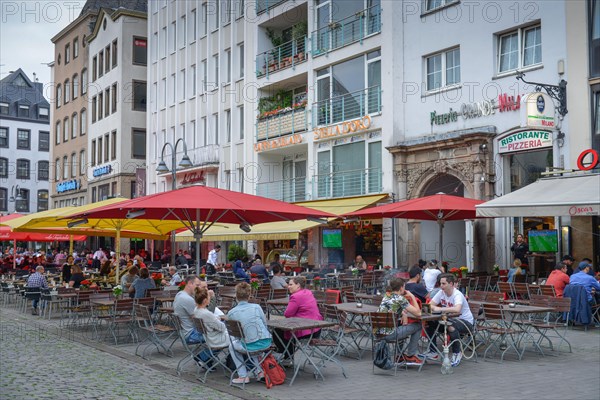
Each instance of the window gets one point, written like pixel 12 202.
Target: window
pixel 172 37
pixel 107 58
pixel 193 26
pixel 4 108
pixel 163 42
pixel 204 131
pixel 23 139
pixel 3 137
pixel 241 58
pixel 140 51
pixel 228 70
pixel 83 122
pixel 139 96
pixel 99 158
pixel 242 12
pixel 594 37
pixel 57 133
pixel 67 91
pixel 3 199
pixel 115 53
pixel 94 105
pixel 182 32
pixel 163 93
pixel 228 126
pixel 57 170
pixel 22 169
pixel 107 102
pixel 82 162
pixel 443 69
pixel 114 98
pixel 3 167
pixel 216 126
pixel 94 68
pixel 433 4
pixel 520 48
pixel 100 105
pixel 23 111
pixel 228 10
pixel 113 145
pixel 43 141
pixel 75 86
pixel 75 48
pixel 181 85
pixel 100 64
pixel 241 120
pixel 596 117
pixel 172 90
pixel 192 82
pixel 204 76
pixel 74 125
pixel 67 53
pixel 106 148
pixel 43 170
pixel 58 96
pixel 93 153
pixel 43 113
pixel 204 19
pixel 23 205
pixel 42 200
pixel 66 130
pixel 216 71
pixel 65 168
pixel 138 144
pixel 74 168
pixel 215 14
pixel 84 78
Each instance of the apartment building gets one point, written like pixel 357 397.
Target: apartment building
pixel 24 144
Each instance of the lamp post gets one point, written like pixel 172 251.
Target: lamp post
pixel 162 168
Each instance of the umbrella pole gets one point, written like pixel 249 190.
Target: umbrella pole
pixel 70 244
pixel 14 253
pixel 441 229
pixel 117 253
pixel 198 236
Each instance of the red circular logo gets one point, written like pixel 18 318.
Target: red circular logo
pixel 591 165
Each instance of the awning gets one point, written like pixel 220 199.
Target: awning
pixel 577 195
pixel 284 230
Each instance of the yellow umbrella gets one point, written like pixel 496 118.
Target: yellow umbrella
pixel 58 221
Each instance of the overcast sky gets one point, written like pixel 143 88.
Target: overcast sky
pixel 26 28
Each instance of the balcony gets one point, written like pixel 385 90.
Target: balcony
pixel 285 122
pixel 347 183
pixel 287 55
pixel 265 5
pixel 205 155
pixel 290 190
pixel 347 106
pixel 349 30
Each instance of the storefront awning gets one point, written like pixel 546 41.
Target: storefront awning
pixel 283 230
pixel 577 195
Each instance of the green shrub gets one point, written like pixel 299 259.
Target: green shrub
pixel 236 252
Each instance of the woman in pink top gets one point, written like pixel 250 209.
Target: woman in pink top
pixel 302 305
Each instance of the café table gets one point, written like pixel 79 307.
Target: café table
pixel 313 354
pixel 277 305
pixel 357 319
pixel 370 298
pixel 428 317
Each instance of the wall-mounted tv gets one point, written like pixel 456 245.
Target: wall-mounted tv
pixel 543 241
pixel 332 238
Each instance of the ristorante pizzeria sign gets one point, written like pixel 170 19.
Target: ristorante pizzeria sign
pixel 525 140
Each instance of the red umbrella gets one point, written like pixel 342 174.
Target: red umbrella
pixel 198 207
pixel 439 207
pixel 6 233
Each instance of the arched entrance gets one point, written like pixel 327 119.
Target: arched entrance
pixel 455 232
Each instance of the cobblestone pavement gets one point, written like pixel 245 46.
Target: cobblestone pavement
pixel 65 371
pixel 40 361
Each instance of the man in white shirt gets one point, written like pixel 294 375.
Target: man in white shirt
pixel 212 262
pixel 430 275
pixel 450 300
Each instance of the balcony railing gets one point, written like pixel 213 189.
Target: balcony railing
pixel 287 55
pixel 205 155
pixel 265 5
pixel 348 183
pixel 289 190
pixel 284 123
pixel 347 31
pixel 347 106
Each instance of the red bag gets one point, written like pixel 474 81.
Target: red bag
pixel 274 373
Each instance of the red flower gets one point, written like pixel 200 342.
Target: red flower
pixel 455 270
pixel 317 278
pixel 253 276
pixel 86 282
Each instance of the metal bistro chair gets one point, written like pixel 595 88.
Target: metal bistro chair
pixel 382 324
pixel 347 335
pixel 555 322
pixel 499 327
pixel 254 357
pixel 191 349
pixel 218 355
pixel 156 334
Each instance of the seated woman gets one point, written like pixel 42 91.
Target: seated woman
pixel 302 304
pixel 401 302
pixel 66 269
pixel 216 331
pixel 128 278
pixel 76 276
pixel 254 324
pixel 515 270
pixel 105 268
pixel 238 271
pixel 360 263
pixel 141 284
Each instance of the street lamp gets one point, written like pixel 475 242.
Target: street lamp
pixel 162 169
pixel 15 195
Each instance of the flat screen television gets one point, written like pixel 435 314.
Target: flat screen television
pixel 543 241
pixel 332 238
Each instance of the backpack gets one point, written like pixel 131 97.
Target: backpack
pixel 382 356
pixel 274 373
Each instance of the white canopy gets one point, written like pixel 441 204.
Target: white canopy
pixel 577 195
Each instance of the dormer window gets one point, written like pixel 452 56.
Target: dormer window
pixel 3 108
pixel 24 111
pixel 43 113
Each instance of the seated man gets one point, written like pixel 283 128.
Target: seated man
pixel 414 284
pixel 592 287
pixel 559 279
pixel 260 270
pixel 254 323
pixel 450 300
pixel 175 277
pixel 184 307
pixel 400 301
